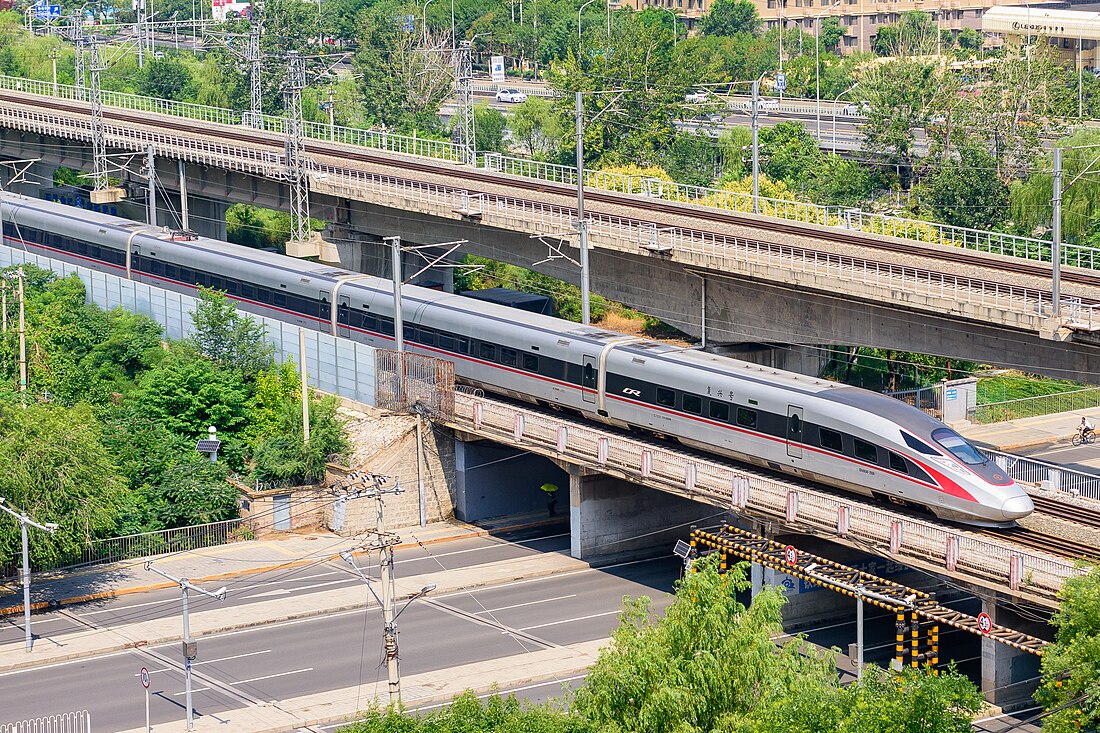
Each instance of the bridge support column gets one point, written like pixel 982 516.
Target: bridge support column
pixel 493 480
pixel 610 518
pixel 1009 676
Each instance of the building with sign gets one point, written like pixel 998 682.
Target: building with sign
pixel 1073 32
pixel 225 9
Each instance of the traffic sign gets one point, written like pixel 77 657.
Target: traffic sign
pixel 145 678
pixel 47 12
pixel 780 81
pixel 497 66
pixel 985 623
pixel 790 552
pixel 410 23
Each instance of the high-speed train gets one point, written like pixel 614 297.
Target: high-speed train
pixel 811 428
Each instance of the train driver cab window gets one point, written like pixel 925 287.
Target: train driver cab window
pixel 720 410
pixel 693 404
pixel 831 439
pixel 666 397
pixel 866 451
pixel 897 463
pixel 958 446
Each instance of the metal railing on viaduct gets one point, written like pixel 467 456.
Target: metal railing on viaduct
pixel 931 289
pixel 350 369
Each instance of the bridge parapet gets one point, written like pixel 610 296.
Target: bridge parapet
pixel 981 559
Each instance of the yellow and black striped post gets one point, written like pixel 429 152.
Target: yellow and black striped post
pixel 934 648
pixel 914 631
pixel 899 641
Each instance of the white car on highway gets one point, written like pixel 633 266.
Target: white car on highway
pixel 512 96
pixel 856 109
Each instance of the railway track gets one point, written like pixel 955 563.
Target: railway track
pixel 960 256
pixel 1051 544
pixel 1066 512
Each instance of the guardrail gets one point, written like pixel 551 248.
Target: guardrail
pixel 853 219
pixel 74 722
pixel 743 490
pixel 1047 404
pixel 1049 476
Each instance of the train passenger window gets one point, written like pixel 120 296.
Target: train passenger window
pixel 323 310
pixel 830 439
pixel 508 357
pixel 463 345
pixel 427 336
pixel 897 463
pixel 746 418
pixel 173 272
pixel 866 451
pixel 231 287
pixel 410 333
pixel 693 404
pixel 488 352
pixel 447 342
pixel 280 298
pixel 530 362
pixel 719 410
pixel 385 325
pixel 666 397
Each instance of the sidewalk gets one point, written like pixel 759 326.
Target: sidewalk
pixel 1029 432
pixel 211 564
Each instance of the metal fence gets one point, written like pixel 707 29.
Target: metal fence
pixel 1049 476
pixel 75 722
pixel 928 399
pixel 147 544
pixel 1048 404
pixel 415 379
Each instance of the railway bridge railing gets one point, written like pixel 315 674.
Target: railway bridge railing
pixel 381 139
pixel 934 291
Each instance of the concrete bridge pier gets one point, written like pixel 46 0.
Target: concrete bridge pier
pixel 614 519
pixel 1010 676
pixel 205 215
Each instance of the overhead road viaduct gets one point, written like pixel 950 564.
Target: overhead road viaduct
pixel 740 278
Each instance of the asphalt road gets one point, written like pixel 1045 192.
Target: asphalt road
pixel 341 650
pixel 1081 458
pixel 265 586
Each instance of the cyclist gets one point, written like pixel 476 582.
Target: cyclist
pixel 1085 428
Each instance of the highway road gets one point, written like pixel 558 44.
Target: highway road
pixel 335 651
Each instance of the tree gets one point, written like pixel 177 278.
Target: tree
pixel 915 34
pixel 167 79
pixel 489 127
pixel 964 192
pixel 969 39
pixel 707 664
pixel 730 17
pixel 192 492
pixel 1071 665
pixel 538 128
pixel 403 84
pixel 830 32
pixel 282 453
pixel 467 714
pixel 57 470
pixel 228 338
pixel 790 153
pixel 1031 199
pixel 692 158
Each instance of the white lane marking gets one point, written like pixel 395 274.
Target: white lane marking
pixel 569 620
pixel 209 661
pixel 267 594
pixel 254 679
pixel 529 603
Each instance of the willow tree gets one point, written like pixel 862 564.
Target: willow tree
pixel 1031 199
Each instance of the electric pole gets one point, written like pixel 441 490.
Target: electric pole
pixel 24 521
pixel 22 338
pixel 1056 244
pixel 386 542
pixel 582 223
pixel 464 74
pixel 190 648
pixel 99 137
pixel 139 30
pixel 756 144
pixel 151 196
pixel 76 33
pixel 295 148
pixel 255 65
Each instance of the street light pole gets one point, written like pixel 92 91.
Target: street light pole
pixel 582 224
pixel 579 14
pixel 190 648
pixel 50 527
pixel 835 102
pixel 1056 243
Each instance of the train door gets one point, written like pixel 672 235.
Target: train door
pixel 343 317
pixel 794 431
pixel 324 312
pixel 589 375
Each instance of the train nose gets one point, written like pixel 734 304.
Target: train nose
pixel 1017 507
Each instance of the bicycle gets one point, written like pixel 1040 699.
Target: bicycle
pixel 1082 437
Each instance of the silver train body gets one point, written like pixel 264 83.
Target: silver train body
pixel 842 436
